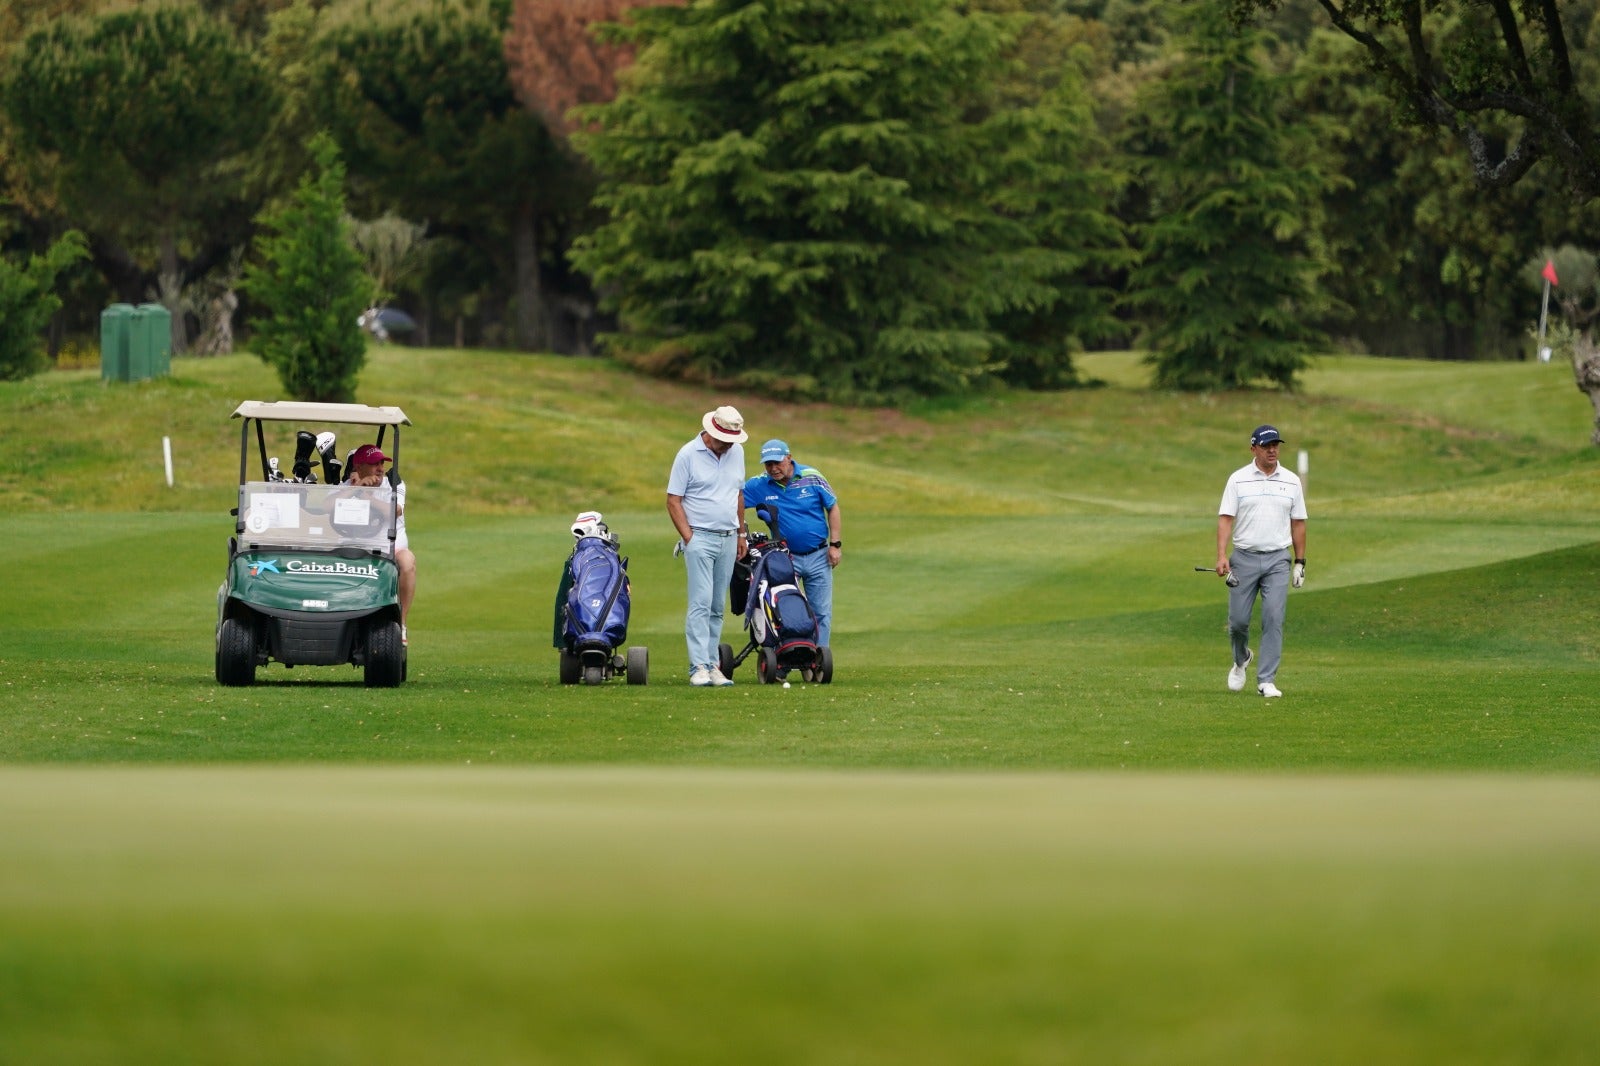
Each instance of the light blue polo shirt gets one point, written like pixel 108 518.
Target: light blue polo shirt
pixel 709 485
pixel 803 506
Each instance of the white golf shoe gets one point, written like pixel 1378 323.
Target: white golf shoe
pixel 700 677
pixel 1269 690
pixel 719 679
pixel 1236 672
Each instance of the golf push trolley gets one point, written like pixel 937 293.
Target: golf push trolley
pixel 777 616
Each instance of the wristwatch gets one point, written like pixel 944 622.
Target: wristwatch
pixel 835 543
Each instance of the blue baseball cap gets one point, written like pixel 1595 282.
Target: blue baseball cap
pixel 773 450
pixel 1265 435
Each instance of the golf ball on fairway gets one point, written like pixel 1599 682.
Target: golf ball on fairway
pixel 786 684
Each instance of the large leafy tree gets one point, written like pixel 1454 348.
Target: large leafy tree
pixel 1504 78
pixel 419 96
pixel 1225 283
pixel 557 61
pixel 308 278
pixel 1423 260
pixel 135 123
pixel 805 195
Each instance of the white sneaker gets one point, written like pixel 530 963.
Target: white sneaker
pixel 1269 690
pixel 700 677
pixel 719 679
pixel 1236 672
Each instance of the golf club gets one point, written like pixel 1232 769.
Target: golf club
pixel 1231 581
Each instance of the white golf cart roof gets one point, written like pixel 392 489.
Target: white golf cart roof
pixel 355 414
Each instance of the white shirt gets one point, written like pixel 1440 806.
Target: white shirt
pixel 1261 506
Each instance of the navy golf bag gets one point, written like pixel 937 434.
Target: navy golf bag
pixel 592 607
pixel 776 615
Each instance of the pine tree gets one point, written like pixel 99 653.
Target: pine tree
pixel 1226 279
pixel 803 197
pixel 310 281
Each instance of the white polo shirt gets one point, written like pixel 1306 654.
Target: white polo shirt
pixel 1261 506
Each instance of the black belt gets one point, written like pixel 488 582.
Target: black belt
pixel 813 551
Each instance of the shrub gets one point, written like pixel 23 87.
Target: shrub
pixel 27 300
pixel 309 278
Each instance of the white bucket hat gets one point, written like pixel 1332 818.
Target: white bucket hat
pixel 725 424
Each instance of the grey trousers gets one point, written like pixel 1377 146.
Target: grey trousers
pixel 1264 574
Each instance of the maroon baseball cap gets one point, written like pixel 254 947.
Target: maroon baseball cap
pixel 369 455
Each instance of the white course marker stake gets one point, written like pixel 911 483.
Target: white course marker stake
pixel 1305 463
pixel 166 453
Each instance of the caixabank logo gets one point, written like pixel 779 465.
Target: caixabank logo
pixel 334 569
pixel 312 568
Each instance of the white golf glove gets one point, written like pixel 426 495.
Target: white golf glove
pixel 1299 577
pixel 677 549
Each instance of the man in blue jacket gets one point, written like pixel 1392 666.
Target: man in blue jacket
pixel 801 505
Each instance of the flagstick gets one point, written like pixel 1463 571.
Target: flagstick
pixel 1544 309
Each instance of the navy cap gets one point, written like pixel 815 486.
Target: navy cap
pixel 773 450
pixel 1265 435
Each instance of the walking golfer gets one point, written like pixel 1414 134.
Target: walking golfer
pixel 805 514
pixel 705 503
pixel 1263 513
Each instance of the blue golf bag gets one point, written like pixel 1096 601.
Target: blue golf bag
pixel 592 606
pixel 782 626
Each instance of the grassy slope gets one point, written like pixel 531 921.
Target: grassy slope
pixel 1018 595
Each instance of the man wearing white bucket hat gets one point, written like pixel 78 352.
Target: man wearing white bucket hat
pixel 705 500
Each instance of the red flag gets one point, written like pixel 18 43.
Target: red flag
pixel 1550 272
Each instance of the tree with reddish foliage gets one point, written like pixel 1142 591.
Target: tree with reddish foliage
pixel 557 63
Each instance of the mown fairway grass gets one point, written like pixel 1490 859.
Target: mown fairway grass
pixel 1026 824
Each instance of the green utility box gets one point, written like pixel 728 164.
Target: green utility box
pixel 151 337
pixel 135 342
pixel 116 328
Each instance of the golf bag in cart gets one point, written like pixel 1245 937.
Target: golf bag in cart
pixel 778 617
pixel 592 605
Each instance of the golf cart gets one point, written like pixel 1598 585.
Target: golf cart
pixel 312 579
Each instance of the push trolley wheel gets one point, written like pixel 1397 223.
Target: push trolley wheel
pixel 768 666
pixel 725 659
pixel 571 667
pixel 638 665
pixel 824 669
pixel 594 675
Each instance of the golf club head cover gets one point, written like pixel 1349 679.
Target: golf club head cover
pixel 1231 580
pixel 331 466
pixel 305 442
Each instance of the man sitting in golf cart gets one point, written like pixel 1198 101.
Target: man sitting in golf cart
pixel 366 468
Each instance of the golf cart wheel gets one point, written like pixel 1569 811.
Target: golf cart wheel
pixel 594 675
pixel 823 673
pixel 386 656
pixel 768 666
pixel 571 667
pixel 236 653
pixel 725 659
pixel 638 665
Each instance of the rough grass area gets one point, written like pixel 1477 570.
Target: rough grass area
pixel 643 916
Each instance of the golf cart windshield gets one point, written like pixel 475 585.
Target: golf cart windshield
pixel 283 514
